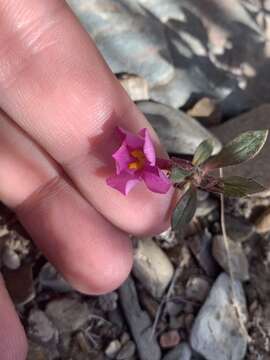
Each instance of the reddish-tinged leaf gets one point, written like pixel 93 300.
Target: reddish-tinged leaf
pixel 237 186
pixel 203 152
pixel 185 209
pixel 244 147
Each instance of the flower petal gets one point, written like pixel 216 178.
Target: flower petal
pixel 148 147
pixel 133 141
pixel 156 180
pixel 122 158
pixel 123 182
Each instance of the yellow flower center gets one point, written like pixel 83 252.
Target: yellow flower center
pixel 140 160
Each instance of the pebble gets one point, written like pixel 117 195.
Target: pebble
pixel 173 308
pixel 127 351
pixel 206 110
pixel 125 337
pixel 216 332
pixel 136 87
pixel 50 278
pixel 112 349
pixel 67 314
pixel 238 228
pixel 152 267
pixel 169 339
pixel 204 208
pixel 108 302
pixel 177 322
pixel 11 259
pixel 149 303
pixel 262 224
pixel 239 262
pixel 167 239
pixel 180 352
pixel 40 328
pixel 139 322
pixel 197 289
pixel 178 132
pixel 200 246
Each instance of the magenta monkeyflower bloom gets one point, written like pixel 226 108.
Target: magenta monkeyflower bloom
pixel 136 161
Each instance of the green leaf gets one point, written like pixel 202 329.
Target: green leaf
pixel 237 186
pixel 203 152
pixel 178 175
pixel 244 147
pixel 185 209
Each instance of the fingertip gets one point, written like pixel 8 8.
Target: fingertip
pixel 104 274
pixel 148 213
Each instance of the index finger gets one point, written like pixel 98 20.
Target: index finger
pixel 56 86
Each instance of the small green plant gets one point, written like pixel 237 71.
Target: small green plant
pixel 190 176
pixel 136 161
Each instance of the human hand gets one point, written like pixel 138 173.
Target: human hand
pixel 61 105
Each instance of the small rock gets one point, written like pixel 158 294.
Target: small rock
pixel 169 339
pixel 180 352
pixel 67 314
pixel 167 239
pixel 108 302
pixel 174 93
pixel 200 246
pixel 173 309
pixel 125 337
pixel 11 259
pixel 179 133
pixel 238 229
pixel 152 267
pixel 149 303
pixel 204 208
pixel 41 329
pixel 177 322
pixel 197 289
pixel 135 86
pixel 206 110
pixel 216 332
pixel 139 322
pixel 50 278
pixel 239 262
pixel 113 348
pixel 263 222
pixel 127 351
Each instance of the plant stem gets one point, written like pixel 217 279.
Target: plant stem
pixel 238 311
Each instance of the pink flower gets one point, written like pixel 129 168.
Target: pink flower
pixel 136 161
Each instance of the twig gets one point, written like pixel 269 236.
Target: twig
pixel 164 300
pixel 236 307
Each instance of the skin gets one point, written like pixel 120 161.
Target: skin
pixel 60 106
